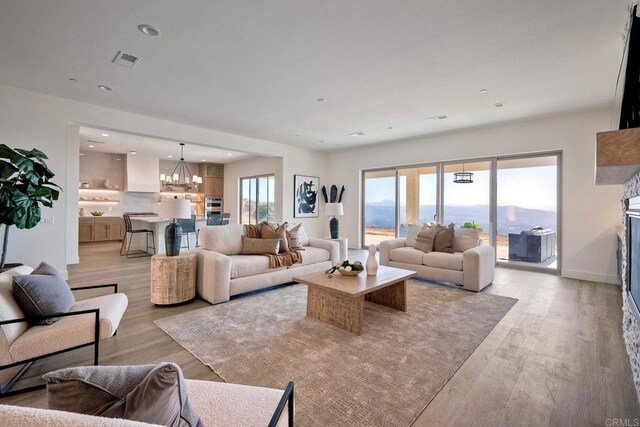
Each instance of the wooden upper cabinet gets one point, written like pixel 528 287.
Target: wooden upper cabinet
pixel 212 179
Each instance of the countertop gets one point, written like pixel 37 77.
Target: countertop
pixel 153 219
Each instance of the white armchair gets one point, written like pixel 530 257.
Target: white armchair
pixel 21 343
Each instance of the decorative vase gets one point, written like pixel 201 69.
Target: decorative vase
pixel 334 228
pixel 372 263
pixel 173 239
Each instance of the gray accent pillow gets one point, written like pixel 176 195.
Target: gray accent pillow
pixel 260 246
pixel 43 292
pixel 155 394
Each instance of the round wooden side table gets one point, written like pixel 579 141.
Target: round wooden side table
pixel 173 278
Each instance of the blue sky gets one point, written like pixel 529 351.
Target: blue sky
pixel 532 188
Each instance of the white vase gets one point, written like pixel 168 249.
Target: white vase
pixel 372 263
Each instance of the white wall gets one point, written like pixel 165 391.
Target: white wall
pixel 297 162
pixel 590 213
pixel 29 119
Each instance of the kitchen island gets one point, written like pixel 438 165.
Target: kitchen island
pixel 158 225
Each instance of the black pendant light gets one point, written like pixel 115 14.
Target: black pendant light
pixel 463 177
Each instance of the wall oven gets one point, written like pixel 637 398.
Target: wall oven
pixel 212 205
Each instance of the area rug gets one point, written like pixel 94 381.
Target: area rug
pixel 384 377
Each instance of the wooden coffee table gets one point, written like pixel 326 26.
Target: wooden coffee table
pixel 339 300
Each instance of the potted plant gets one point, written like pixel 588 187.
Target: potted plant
pixel 472 225
pixel 25 184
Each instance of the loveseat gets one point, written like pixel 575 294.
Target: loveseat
pixel 216 403
pixel 471 265
pixel 223 272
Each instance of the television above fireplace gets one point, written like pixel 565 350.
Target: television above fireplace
pixel 633 252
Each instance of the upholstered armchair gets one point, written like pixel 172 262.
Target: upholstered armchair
pixel 22 343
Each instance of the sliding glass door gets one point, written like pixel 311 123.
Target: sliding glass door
pixel 527 213
pixel 379 206
pixel 513 201
pixel 467 198
pixel 418 193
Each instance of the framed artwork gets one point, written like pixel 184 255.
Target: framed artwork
pixel 305 196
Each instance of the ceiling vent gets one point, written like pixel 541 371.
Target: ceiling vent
pixel 125 60
pixel 91 141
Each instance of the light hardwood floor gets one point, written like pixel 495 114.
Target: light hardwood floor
pixel 557 358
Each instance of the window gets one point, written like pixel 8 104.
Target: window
pixel 257 199
pixel 512 200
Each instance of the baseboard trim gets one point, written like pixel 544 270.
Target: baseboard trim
pixel 591 276
pixel 73 260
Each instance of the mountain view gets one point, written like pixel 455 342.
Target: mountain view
pixel 511 219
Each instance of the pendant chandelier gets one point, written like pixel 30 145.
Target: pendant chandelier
pixel 181 176
pixel 463 177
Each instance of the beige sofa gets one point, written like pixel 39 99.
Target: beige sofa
pixel 217 404
pixel 471 265
pixel 223 272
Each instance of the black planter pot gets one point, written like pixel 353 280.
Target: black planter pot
pixel 9 266
pixel 334 228
pixel 172 239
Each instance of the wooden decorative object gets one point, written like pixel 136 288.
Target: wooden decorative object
pixel 617 155
pixel 173 278
pixel 339 300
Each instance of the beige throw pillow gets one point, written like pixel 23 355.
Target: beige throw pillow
pixel 294 237
pixel 260 246
pixel 465 239
pixel 280 232
pixel 444 240
pixel 426 237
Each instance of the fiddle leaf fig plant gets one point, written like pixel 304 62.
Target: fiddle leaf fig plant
pixel 25 185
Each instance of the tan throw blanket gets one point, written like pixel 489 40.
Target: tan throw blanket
pixel 284 259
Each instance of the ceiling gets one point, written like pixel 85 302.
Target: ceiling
pixel 118 142
pixel 257 68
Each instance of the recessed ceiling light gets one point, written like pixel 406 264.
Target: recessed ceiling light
pixel 483 91
pixel 203 160
pixel 499 104
pixel 72 79
pixel 170 156
pixel 149 30
pixel 118 159
pixel 82 154
pixel 321 100
pixel 229 154
pixel 103 87
pixel 356 134
pixel 91 146
pixel 440 117
pixel 104 134
pixel 133 152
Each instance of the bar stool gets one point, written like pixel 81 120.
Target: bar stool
pixel 129 232
pixel 188 226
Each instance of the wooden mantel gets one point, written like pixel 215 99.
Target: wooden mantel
pixel 617 156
